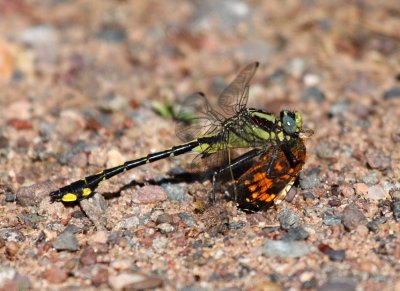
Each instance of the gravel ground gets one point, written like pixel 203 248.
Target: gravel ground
pixel 79 80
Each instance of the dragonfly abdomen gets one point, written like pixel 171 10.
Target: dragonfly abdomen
pixel 83 188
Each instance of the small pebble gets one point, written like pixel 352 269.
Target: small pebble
pixel 128 281
pixel 121 264
pixel 55 275
pixel 297 67
pixel 175 192
pixel 289 219
pixel 129 223
pixel 353 217
pixel 149 194
pixel 346 191
pixel 377 159
pixel 327 149
pixel 187 219
pixel 88 257
pixel 335 202
pixel 100 237
pixel 298 233
pixel 166 227
pixel 361 189
pixel 392 93
pixel 11 234
pixel 12 248
pixel 309 181
pixel 113 34
pixel 66 241
pixel 32 195
pixel 338 108
pixel 334 255
pixel 311 80
pixel 160 243
pixel 376 193
pixel 100 277
pixel 313 93
pixel 371 178
pixel 342 284
pixel 331 219
pixel 285 249
pixel 164 218
pixel 395 205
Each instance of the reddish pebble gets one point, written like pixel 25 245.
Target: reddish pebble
pixel 88 257
pixel 100 277
pixel 361 189
pixel 149 194
pixel 19 124
pixel 55 275
pixel 12 248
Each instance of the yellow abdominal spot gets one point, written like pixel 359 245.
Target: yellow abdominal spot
pixel 86 192
pixel 69 197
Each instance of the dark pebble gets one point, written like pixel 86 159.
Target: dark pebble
pixel 377 159
pixel 338 284
pixel 236 225
pixel 392 93
pixel 33 195
pixel 396 209
pixel 313 93
pixel 112 34
pixel 330 218
pixel 308 195
pixel 164 218
pixel 353 217
pixel 289 219
pixel 11 234
pixel 187 219
pixel 335 202
pixel 10 196
pixel 336 255
pixel 309 181
pixel 373 225
pixel 298 233
pixel 66 241
pixel 310 284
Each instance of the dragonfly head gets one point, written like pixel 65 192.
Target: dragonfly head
pixel 292 123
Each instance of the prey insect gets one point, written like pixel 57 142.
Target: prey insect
pixel 274 144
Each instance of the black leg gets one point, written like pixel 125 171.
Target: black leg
pixel 235 163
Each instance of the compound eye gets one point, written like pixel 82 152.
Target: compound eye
pixel 289 124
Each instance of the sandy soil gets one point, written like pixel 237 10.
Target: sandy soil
pixel 79 81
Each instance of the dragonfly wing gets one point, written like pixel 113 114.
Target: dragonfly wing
pixel 234 97
pixel 196 118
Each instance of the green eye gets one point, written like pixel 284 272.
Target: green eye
pixel 289 124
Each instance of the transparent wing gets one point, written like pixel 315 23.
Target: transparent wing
pixel 196 118
pixel 234 97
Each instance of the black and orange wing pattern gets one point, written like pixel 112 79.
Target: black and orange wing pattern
pixel 269 180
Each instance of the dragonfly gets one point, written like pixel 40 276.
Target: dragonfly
pixel 274 146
